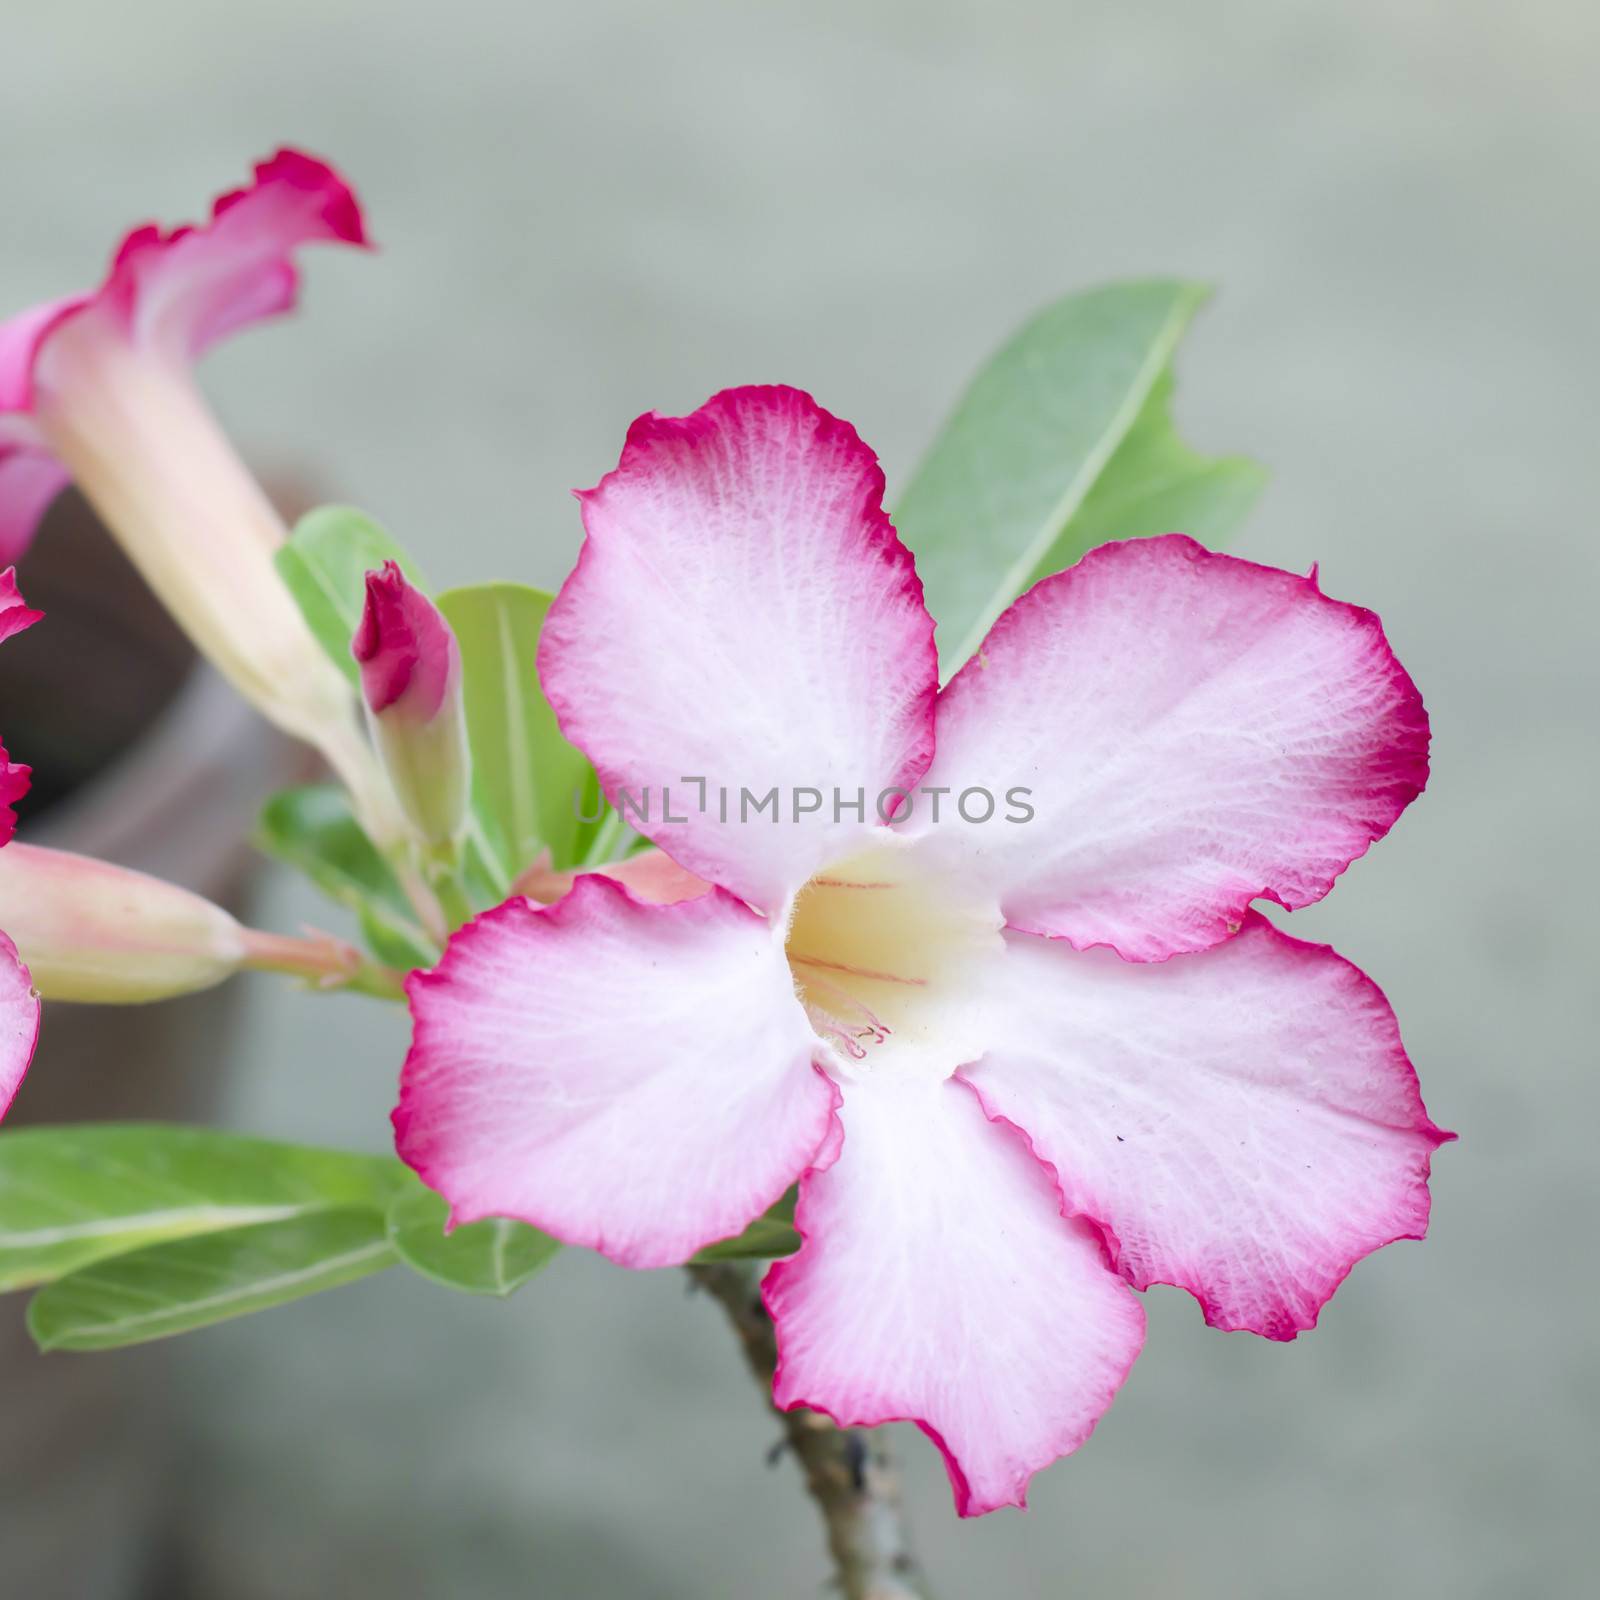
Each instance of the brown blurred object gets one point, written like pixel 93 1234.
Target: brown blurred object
pixel 144 757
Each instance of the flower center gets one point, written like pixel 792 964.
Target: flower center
pixel 888 959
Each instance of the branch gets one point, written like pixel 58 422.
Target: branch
pixel 851 1473
pixel 322 960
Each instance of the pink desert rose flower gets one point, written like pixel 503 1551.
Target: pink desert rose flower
pixel 98 388
pixel 1018 1069
pixel 19 1005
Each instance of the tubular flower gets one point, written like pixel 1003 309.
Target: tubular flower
pixel 97 388
pixel 1024 1054
pixel 19 1005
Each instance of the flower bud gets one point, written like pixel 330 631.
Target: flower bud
pixel 96 932
pixel 411 682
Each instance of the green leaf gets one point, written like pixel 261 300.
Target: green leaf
pixel 766 1239
pixel 193 1283
pixel 1156 484
pixel 74 1195
pixel 524 772
pixel 312 828
pixel 325 564
pixel 1062 440
pixel 493 1257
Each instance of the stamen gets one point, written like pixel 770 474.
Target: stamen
pixel 849 1045
pixel 828 1022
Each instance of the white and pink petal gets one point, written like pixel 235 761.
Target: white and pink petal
pixel 635 1078
pixel 742 614
pixel 183 289
pixel 169 293
pixel 940 1283
pixel 1194 731
pixel 21 338
pixel 1243 1122
pixel 30 479
pixel 19 1022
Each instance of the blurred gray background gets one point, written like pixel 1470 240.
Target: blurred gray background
pixel 592 209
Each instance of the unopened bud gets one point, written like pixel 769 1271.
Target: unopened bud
pixel 411 682
pixel 96 932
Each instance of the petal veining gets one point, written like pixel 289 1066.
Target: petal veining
pixel 939 1283
pixel 1195 732
pixel 635 1078
pixel 1244 1122
pixel 743 623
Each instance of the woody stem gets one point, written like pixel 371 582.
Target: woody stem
pixel 850 1473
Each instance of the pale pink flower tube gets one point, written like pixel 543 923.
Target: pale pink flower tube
pixel 97 389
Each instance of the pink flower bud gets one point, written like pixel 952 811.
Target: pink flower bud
pixel 95 932
pixel 409 658
pixel 411 681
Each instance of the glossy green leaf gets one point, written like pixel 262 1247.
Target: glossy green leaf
pixel 325 564
pixel 1156 484
pixel 77 1194
pixel 766 1239
pixel 312 828
pixel 173 1288
pixel 525 774
pixel 1063 440
pixel 493 1257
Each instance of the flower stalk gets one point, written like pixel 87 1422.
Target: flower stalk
pixel 850 1472
pixel 453 901
pixel 322 960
